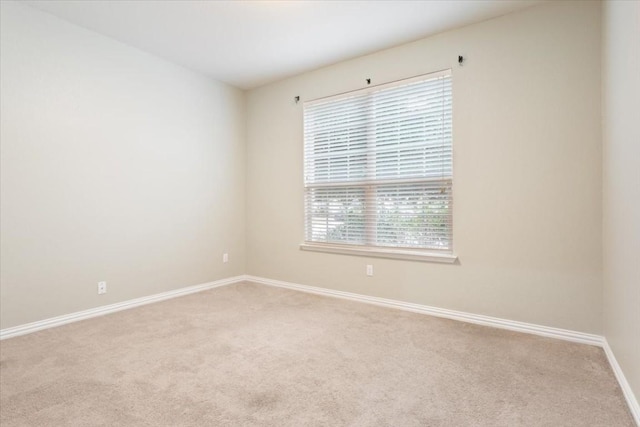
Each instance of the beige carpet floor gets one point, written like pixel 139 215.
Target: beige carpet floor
pixel 252 355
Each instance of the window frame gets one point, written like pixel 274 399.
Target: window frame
pixel 369 248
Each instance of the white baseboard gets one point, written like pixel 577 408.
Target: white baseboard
pixel 634 407
pixel 495 322
pixel 512 325
pixel 112 308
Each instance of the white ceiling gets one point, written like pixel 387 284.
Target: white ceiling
pixel 250 43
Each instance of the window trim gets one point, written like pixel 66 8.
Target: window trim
pixel 374 88
pixel 444 257
pixel 447 256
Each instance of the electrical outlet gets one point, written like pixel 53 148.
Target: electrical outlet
pixel 369 270
pixel 102 288
pixel 225 257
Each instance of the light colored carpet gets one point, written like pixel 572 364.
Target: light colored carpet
pixel 248 354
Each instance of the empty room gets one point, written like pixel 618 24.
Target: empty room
pixel 320 213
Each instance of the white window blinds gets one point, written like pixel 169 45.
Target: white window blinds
pixel 378 166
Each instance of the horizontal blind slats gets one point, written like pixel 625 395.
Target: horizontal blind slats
pixel 378 167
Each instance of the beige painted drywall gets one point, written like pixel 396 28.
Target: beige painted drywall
pixel 119 166
pixel 116 166
pixel 621 183
pixel 527 161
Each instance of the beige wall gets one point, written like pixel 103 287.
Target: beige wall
pixel 116 166
pixel 119 166
pixel 621 188
pixel 527 161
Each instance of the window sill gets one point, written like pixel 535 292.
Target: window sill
pixel 406 254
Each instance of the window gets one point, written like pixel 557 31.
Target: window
pixel 378 169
